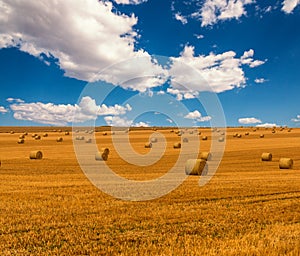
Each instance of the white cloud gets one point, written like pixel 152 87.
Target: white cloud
pixel 141 124
pixel 296 120
pixel 85 36
pixel 267 125
pixel 10 100
pixel 180 18
pixel 196 115
pixel 130 1
pixel 199 36
pixel 214 72
pixel 61 114
pixel 117 121
pixel 3 110
pixel 160 92
pixel 260 80
pixel 249 120
pixel 213 11
pixel 289 5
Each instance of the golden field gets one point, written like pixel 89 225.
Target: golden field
pixel 249 207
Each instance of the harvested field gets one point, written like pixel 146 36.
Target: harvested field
pixel 249 207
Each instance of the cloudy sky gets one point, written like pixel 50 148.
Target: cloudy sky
pixel 149 62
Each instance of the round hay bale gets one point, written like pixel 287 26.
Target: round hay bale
pixel 221 139
pixel 266 157
pixel 104 134
pixel 262 136
pixel 21 141
pixel 88 140
pixel 235 135
pixel 273 131
pixel 289 130
pixel 22 136
pixel 105 150
pixel 36 155
pixel 25 133
pixel 177 145
pixel 60 131
pixel 153 140
pixel 59 139
pixel 79 138
pixel 37 137
pixel 204 138
pixel 239 136
pixel 67 133
pixel 45 135
pixel 172 131
pixel 101 156
pixel 254 130
pixel 199 133
pixel 286 163
pixel 12 132
pixel 185 140
pixel 195 167
pixel 148 145
pixel 247 133
pixel 34 135
pixel 205 156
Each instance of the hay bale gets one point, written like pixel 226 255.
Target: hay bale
pixel 153 140
pixel 185 140
pixel 101 156
pixel 21 141
pixel 286 163
pixel 205 156
pixel 36 155
pixel 59 139
pixel 88 140
pixel 177 145
pixel 239 136
pixel 37 137
pixel 60 131
pixel 22 136
pixel 45 135
pixel 34 135
pixel 262 136
pixel 199 133
pixel 195 167
pixel 266 157
pixel 289 130
pixel 67 133
pixel 273 131
pixel 172 131
pixel 254 130
pixel 148 145
pixel 12 132
pixel 247 133
pixel 25 133
pixel 204 138
pixel 221 139
pixel 235 135
pixel 79 138
pixel 104 134
pixel 105 150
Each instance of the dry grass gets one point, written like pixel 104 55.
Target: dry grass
pixel 250 207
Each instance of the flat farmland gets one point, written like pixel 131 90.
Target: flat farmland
pixel 249 207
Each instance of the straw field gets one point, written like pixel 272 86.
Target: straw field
pixel 250 206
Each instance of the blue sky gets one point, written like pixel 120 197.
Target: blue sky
pixel 149 63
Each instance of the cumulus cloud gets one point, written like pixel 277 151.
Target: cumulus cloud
pixel 289 5
pixel 3 110
pixel 260 80
pixel 180 18
pixel 199 36
pixel 49 113
pixel 267 125
pixel 130 1
pixel 197 116
pixel 213 72
pixel 249 120
pixel 10 100
pixel 213 11
pixel 90 38
pixel 296 120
